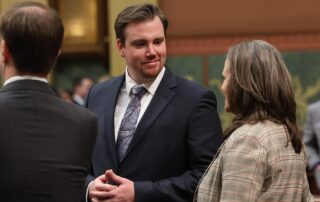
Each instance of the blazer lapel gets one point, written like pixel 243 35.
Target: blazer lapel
pixel 158 103
pixel 112 95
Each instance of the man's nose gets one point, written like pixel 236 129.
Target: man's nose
pixel 151 50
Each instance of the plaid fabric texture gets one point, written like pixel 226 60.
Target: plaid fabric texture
pixel 256 163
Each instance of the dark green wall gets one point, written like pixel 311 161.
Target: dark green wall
pixel 303 66
pixel 67 70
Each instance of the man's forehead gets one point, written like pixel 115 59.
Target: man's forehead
pixel 144 30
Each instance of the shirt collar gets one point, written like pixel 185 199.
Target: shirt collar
pixel 78 99
pixel 151 87
pixel 17 78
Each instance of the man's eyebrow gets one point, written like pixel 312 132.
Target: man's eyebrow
pixel 138 41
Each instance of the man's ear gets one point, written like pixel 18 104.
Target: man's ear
pixel 120 47
pixel 5 51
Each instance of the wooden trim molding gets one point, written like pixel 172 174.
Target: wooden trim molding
pixel 220 44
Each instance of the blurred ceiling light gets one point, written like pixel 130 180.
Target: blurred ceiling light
pixel 75 28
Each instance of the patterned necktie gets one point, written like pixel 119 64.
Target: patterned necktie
pixel 129 120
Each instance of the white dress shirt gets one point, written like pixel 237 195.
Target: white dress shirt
pixel 124 98
pixel 17 78
pixel 78 100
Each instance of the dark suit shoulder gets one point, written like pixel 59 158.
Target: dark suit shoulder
pixel 79 111
pixel 192 89
pixel 106 84
pixel 101 92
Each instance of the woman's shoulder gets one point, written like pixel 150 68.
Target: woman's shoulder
pixel 260 128
pixel 262 132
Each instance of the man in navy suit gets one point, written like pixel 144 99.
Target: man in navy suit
pixel 178 129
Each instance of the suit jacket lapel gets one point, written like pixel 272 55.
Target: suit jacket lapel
pixel 158 103
pixel 112 96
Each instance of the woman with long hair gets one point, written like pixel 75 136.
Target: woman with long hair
pixel 262 158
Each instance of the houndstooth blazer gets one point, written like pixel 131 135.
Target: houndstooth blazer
pixel 256 163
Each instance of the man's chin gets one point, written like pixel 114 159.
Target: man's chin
pixel 151 74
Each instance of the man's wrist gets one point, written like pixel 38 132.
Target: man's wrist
pixel 88 199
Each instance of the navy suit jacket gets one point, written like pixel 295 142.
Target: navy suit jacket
pixel 173 144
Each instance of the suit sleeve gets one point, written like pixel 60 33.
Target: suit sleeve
pixel 204 136
pixel 244 166
pixel 310 140
pixel 89 177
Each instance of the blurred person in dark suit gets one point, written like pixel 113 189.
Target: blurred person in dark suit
pixel 45 142
pixel 81 86
pixel 311 139
pixel 157 131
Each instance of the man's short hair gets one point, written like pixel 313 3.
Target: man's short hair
pixel 33 34
pixel 77 82
pixel 137 13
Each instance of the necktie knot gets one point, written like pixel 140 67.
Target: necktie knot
pixel 138 90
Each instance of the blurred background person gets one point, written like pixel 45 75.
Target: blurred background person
pixel 46 143
pixel 263 157
pixel 312 140
pixel 65 95
pixel 80 89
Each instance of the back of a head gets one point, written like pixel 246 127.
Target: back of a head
pixel 260 81
pixel 33 34
pixel 137 13
pixel 260 87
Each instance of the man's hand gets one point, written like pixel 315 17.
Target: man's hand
pixel 124 192
pixel 98 187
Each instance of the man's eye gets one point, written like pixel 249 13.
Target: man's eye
pixel 158 42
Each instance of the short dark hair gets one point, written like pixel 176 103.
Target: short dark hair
pixel 33 34
pixel 260 88
pixel 137 13
pixel 77 82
